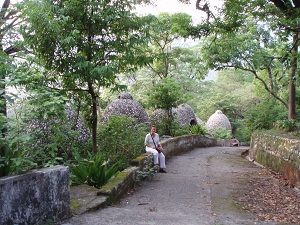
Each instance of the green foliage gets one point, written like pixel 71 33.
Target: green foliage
pixel 242 131
pixel 263 115
pixel 13 161
pixel 180 131
pixel 286 125
pixel 198 129
pixel 84 45
pixel 40 134
pixel 233 93
pixel 169 126
pixel 94 171
pixel 164 31
pixel 121 139
pixel 221 133
pixel 166 94
pixel 257 37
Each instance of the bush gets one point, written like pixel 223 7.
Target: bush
pixel 121 139
pixel 286 125
pixel 13 161
pixel 179 131
pixel 45 142
pixel 198 129
pixel 41 132
pixel 221 133
pixel 242 132
pixel 168 126
pixel 263 115
pixel 95 171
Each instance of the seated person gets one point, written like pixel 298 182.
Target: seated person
pixel 234 142
pixel 153 146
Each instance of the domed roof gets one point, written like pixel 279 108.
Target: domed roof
pixel 218 120
pixel 125 95
pixel 125 105
pixel 158 116
pixel 185 115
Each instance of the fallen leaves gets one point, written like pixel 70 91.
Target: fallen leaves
pixel 268 196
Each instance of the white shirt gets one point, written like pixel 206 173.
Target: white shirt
pixel 149 141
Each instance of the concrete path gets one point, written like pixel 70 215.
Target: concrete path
pixel 197 190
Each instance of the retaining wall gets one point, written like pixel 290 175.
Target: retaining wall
pixel 84 201
pixel 178 145
pixel 37 197
pixel 278 153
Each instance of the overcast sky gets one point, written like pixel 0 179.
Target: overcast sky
pixel 170 6
pixel 173 6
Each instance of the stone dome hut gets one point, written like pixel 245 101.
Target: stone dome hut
pixel 158 115
pixel 218 120
pixel 185 115
pixel 126 105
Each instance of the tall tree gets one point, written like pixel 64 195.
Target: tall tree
pixel 256 37
pixel 9 19
pixel 165 30
pixel 83 45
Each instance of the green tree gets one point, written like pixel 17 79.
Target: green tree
pixel 83 45
pixel 9 20
pixel 165 30
pixel 167 94
pixel 260 36
pixel 233 92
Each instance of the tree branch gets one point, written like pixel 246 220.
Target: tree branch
pixel 265 85
pixel 204 8
pixel 74 89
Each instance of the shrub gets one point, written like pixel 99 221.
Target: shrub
pixel 221 133
pixel 263 115
pixel 95 171
pixel 168 126
pixel 121 139
pixel 242 132
pixel 13 161
pixel 179 131
pixel 286 125
pixel 198 129
pixel 44 142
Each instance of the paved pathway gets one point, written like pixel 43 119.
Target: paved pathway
pixel 197 190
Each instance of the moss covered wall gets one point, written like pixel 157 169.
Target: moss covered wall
pixel 278 153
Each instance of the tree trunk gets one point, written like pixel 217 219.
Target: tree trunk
pixel 292 77
pixel 94 116
pixel 3 107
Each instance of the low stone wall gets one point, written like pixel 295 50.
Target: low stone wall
pixel 178 145
pixel 278 153
pixel 35 197
pixel 83 200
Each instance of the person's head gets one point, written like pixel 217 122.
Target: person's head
pixel 153 130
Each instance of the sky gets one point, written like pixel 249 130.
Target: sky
pixel 174 6
pixel 170 6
